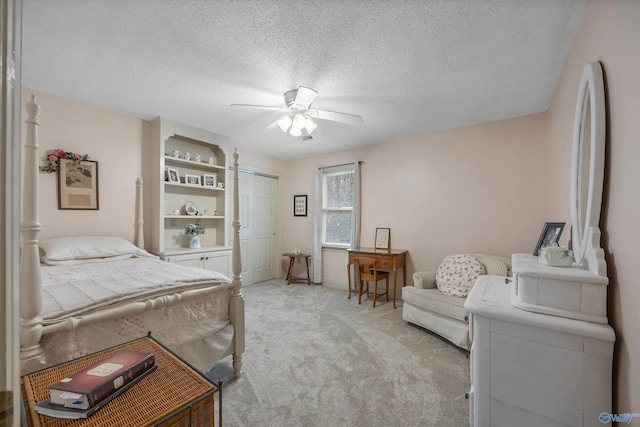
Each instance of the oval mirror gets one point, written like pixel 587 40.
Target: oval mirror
pixel 587 171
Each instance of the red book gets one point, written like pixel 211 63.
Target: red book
pixel 92 385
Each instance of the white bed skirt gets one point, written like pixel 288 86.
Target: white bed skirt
pixel 198 330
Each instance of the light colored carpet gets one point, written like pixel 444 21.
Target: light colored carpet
pixel 315 358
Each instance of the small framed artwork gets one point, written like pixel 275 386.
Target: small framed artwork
pixel 550 234
pixel 210 181
pixel 78 185
pixel 192 179
pixel 173 175
pixel 300 205
pixel 383 238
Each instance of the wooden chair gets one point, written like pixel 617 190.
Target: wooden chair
pixel 368 272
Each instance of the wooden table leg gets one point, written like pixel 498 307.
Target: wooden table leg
pixel 291 261
pixel 349 279
pixel 395 279
pixel 308 275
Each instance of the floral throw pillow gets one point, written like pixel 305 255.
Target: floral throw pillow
pixel 457 274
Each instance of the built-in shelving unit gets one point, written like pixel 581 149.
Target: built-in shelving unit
pixel 176 202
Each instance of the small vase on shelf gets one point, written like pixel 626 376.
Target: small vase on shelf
pixel 195 242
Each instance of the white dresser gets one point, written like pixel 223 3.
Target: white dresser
pixel 534 369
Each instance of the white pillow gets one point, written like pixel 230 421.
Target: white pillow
pixel 457 274
pixel 87 247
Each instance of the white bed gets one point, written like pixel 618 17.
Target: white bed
pixel 93 292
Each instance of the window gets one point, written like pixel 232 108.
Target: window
pixel 337 205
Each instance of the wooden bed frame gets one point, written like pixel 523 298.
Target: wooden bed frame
pixel 32 356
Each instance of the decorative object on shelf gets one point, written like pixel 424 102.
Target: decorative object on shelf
pixel 173 175
pixel 383 238
pixel 187 156
pixel 198 158
pixel 221 185
pixel 175 153
pixel 53 159
pixel 300 205
pixel 78 184
pixel 176 212
pixel 555 255
pixel 191 209
pixel 192 179
pixel 550 234
pixel 297 251
pixel 212 161
pixel 195 230
pixel 210 181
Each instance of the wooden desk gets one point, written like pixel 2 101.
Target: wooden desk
pixel 391 259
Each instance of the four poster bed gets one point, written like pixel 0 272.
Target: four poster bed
pixel 79 295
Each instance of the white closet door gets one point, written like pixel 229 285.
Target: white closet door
pixel 265 191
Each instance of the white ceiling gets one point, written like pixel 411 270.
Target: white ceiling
pixel 409 67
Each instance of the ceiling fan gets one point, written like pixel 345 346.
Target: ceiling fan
pixel 298 120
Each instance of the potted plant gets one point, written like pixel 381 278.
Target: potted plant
pixel 195 230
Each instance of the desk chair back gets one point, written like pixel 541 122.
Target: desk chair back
pixel 367 269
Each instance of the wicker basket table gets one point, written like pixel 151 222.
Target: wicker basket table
pixel 173 395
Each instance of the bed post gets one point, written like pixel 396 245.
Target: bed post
pixel 236 305
pixel 31 353
pixel 140 219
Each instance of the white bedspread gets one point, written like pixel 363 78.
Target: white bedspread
pixel 74 290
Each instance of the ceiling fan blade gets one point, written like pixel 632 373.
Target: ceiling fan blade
pixel 334 116
pixel 260 107
pixel 305 97
pixel 273 126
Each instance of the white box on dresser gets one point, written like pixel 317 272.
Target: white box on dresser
pixel 534 369
pixel 572 292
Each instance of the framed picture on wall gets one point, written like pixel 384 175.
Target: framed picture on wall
pixel 550 234
pixel 300 205
pixel 383 238
pixel 78 185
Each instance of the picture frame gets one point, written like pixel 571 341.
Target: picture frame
pixel 78 185
pixel 193 180
pixel 210 181
pixel 173 175
pixel 300 205
pixel 383 238
pixel 550 234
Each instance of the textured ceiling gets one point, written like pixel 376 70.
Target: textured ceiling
pixel 408 67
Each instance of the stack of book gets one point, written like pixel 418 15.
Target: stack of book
pixel 85 392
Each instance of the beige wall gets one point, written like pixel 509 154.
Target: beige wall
pixel 114 140
pixel 609 33
pixel 475 189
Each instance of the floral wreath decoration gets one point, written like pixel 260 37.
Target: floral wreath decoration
pixel 53 159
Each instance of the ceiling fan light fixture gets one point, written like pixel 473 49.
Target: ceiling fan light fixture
pixel 310 125
pixel 299 121
pixel 285 123
pixel 295 131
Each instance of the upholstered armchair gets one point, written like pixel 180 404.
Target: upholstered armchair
pixel 436 299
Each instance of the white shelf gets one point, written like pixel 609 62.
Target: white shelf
pixel 193 216
pixel 177 160
pixel 202 187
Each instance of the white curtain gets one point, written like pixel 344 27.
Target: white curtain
pixel 317 227
pixel 317 220
pixel 355 221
